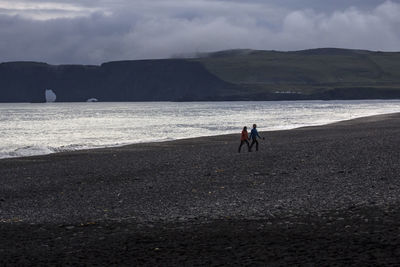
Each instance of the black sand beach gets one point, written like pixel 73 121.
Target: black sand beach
pixel 316 196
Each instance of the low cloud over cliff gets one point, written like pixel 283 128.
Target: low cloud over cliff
pixel 90 32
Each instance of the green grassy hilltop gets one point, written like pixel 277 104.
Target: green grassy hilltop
pixel 326 71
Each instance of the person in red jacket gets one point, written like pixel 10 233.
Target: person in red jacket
pixel 244 138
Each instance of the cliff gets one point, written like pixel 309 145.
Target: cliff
pixel 226 75
pixel 148 80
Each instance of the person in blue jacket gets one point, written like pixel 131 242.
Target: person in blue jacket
pixel 253 136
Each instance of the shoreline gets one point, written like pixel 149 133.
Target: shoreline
pixel 320 195
pixel 190 138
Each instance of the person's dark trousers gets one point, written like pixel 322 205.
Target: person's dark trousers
pixel 242 142
pixel 254 142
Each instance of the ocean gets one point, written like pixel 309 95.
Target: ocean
pixel 36 129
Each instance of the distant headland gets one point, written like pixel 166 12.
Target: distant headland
pixel 325 73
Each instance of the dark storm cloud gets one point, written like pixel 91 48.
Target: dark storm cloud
pixel 92 32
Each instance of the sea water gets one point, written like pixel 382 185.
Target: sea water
pixel 35 129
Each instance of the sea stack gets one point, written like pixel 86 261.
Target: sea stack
pixel 50 96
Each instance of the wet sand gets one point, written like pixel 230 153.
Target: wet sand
pixel 312 196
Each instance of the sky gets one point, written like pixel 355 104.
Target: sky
pixel 97 31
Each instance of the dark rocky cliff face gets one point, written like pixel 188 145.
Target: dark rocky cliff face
pixel 146 80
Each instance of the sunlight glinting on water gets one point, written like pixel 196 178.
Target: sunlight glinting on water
pixel 34 129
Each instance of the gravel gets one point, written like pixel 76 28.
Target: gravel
pixel 165 203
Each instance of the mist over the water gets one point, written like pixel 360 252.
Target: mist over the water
pixel 35 129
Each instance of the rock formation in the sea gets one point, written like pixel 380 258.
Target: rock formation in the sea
pixel 50 96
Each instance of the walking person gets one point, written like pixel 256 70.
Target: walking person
pixel 253 136
pixel 244 139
